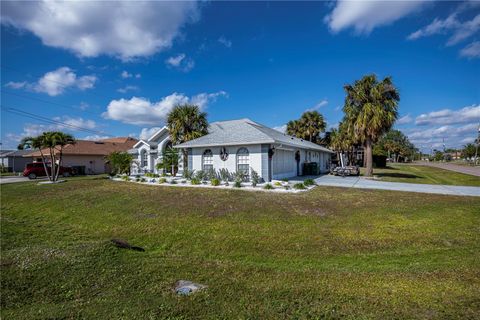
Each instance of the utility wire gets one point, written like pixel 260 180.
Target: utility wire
pixel 50 121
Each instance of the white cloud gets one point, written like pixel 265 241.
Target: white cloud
pixel 91 28
pixel 138 76
pixel 16 85
pixel 148 132
pixel 434 137
pixel 320 104
pixel 405 119
pixel 447 116
pixel 282 129
pixel 364 16
pixel 472 50
pixel 95 137
pixel 128 88
pixel 126 75
pixel 141 111
pixel 180 62
pixel 460 30
pixel 227 43
pixel 56 82
pixel 76 122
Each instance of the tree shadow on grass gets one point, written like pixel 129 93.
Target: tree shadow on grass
pixel 397 175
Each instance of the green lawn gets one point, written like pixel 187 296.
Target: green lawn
pixel 327 254
pixel 424 174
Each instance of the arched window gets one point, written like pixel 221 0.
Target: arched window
pixel 144 158
pixel 243 162
pixel 207 161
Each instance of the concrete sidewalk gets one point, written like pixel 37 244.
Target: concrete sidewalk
pixel 362 183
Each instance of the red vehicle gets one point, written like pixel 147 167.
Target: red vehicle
pixel 36 169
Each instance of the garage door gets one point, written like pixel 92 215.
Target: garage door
pixel 283 164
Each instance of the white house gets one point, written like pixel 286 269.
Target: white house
pixel 238 145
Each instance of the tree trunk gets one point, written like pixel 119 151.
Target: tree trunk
pixel 369 158
pixel 59 164
pixel 44 164
pixel 53 164
pixel 185 159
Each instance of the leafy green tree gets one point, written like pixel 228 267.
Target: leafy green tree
pixel 370 111
pixel 120 162
pixel 186 122
pixel 468 151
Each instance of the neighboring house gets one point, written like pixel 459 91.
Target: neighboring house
pixel 88 157
pixel 237 145
pixel 14 160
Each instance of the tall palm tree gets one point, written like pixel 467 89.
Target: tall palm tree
pixel 312 124
pixel 59 140
pixel 370 111
pixel 35 143
pixel 294 128
pixel 186 122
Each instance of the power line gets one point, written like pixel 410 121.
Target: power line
pixel 49 102
pixel 50 121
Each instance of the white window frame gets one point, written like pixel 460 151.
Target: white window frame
pixel 243 159
pixel 207 160
pixel 144 158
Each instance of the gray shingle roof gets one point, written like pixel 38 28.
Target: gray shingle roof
pixel 246 131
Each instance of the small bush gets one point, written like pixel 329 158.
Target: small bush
pixel 285 180
pixel 278 184
pixel 255 178
pixel 195 181
pixel 188 174
pixel 299 186
pixel 287 187
pixel 183 181
pixel 151 175
pixel 173 182
pixel 237 184
pixel 309 182
pixel 215 182
pixel 126 178
pixel 137 179
pixel 268 186
pixel 143 180
pixel 162 180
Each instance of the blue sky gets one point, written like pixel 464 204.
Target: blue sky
pixel 103 68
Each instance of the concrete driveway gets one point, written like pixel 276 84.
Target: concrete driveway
pixel 362 183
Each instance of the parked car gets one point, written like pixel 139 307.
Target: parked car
pixel 36 169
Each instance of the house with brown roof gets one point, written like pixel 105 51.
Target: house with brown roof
pixel 88 157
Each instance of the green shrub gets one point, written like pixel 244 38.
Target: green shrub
pixel 162 180
pixel 173 182
pixel 151 175
pixel 224 175
pixel 287 187
pixel 125 178
pixel 215 182
pixel 195 181
pixel 309 182
pixel 278 184
pixel 299 186
pixel 268 186
pixel 137 179
pixel 183 181
pixel 254 177
pixel 188 174
pixel 285 180
pixel 237 184
pixel 143 180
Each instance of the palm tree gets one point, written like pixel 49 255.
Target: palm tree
pixel 294 129
pixel 370 111
pixel 54 141
pixel 35 143
pixel 186 122
pixel 312 124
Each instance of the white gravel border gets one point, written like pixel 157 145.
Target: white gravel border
pixel 245 185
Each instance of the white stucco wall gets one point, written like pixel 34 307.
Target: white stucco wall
pixel 255 158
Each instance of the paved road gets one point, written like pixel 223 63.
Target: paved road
pixel 362 183
pixel 14 179
pixel 474 171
